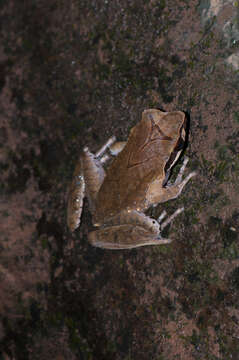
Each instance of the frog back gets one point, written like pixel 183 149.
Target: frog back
pixel 144 158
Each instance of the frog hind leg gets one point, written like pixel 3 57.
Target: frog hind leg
pixel 129 229
pixel 158 194
pixel 88 171
pixel 135 230
pixel 124 237
pixel 75 197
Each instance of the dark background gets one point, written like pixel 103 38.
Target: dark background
pixel 74 73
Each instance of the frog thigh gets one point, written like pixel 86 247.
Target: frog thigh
pixel 88 175
pixel 124 237
pixel 76 196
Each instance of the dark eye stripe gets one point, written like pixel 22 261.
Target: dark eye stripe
pixel 179 147
pixel 180 144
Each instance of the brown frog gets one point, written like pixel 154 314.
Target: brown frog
pixel 135 180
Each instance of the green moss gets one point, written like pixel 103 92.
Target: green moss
pixel 230 252
pixel 228 234
pixel 222 152
pixel 234 278
pixel 229 347
pixel 44 242
pixel 76 342
pixel 200 341
pixel 5 213
pixel 236 117
pixel 53 318
pixel 195 339
pixel 206 165
pixel 221 170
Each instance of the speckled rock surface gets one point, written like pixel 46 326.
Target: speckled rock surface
pixel 73 73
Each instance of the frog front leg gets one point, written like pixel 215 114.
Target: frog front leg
pixel 87 179
pixel 94 173
pixel 158 194
pixel 130 229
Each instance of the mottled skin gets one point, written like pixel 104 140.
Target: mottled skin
pixel 135 180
